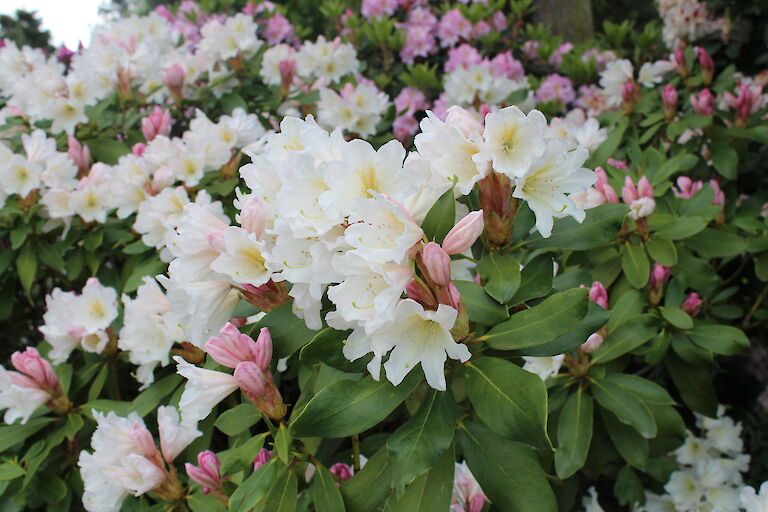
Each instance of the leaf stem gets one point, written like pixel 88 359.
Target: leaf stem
pixel 356 452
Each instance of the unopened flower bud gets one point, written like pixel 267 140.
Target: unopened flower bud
pixel 138 149
pixel 678 57
pixel 644 188
pixel 250 378
pixel 287 72
pixel 437 263
pixel 704 103
pixel 707 65
pixel 252 216
pixel 262 458
pixel 173 78
pixel 692 304
pixel 418 291
pixel 465 122
pixel 464 233
pixel 598 294
pixel 80 154
pixel 262 355
pixel 231 347
pixel 629 92
pixel 669 97
pixel 143 440
pixel 163 178
pixel 659 276
pixel 342 471
pixel 593 343
pixel 207 472
pixel 158 122
pixel 35 367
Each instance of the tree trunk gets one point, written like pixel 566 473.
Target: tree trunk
pixel 570 19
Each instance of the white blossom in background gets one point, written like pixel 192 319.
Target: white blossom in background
pixel 544 367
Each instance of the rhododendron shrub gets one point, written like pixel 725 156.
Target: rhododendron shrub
pixel 396 255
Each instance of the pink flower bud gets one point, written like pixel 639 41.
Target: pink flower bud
pixel 707 65
pixel 207 472
pixel 139 148
pixel 669 97
pixel 232 347
pixel 64 54
pixel 719 197
pixel 598 294
pixel 250 378
pixel 252 216
pixel 455 295
pixel 686 187
pixel 692 304
pixel 704 103
pixel 644 188
pixel 22 381
pixel 262 352
pixel 342 471
pixel 628 92
pixel 465 122
pixel 464 233
pixel 216 241
pixel 629 191
pixel 437 263
pixel 659 276
pixel 287 72
pixel 173 78
pixel 262 458
pixel 35 367
pixel 158 122
pixel 477 502
pixel 79 153
pixel 619 164
pixel 163 178
pixel 678 57
pixel 416 290
pixel 593 343
pixel 602 186
pixel 143 440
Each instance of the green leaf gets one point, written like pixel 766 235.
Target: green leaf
pixel 635 265
pixel 325 493
pixel 510 400
pixel 594 320
pixel 346 408
pixel 289 332
pixel 254 488
pixel 662 250
pixel 694 385
pixel 628 337
pixel 283 443
pixel 609 145
pixel 716 243
pixel 231 101
pixel 431 491
pixel 327 346
pixel 535 280
pixel 52 488
pixel 508 472
pixel 106 150
pixel 481 308
pixel 632 447
pixel 541 323
pixel 283 495
pixel 10 470
pixel 644 389
pixel 149 399
pixel 238 419
pixel 368 488
pixel 136 247
pixel 241 455
pixel 501 274
pixel 628 306
pixel 440 218
pixel 599 228
pixel 725 159
pixel 98 383
pixel 720 339
pixel 628 488
pixel 676 228
pixel 418 444
pixel 199 502
pixel 574 434
pixel 626 406
pixel 676 316
pixel 26 265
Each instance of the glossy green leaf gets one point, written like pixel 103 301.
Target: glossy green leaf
pixel 718 338
pixel 241 455
pixel 625 338
pixel 283 495
pixel 510 400
pixel 345 408
pixel 694 385
pixel 26 266
pixel 676 228
pixel 508 472
pixel 716 243
pixel 595 319
pixel 325 492
pixel 238 419
pixel 627 407
pixel 662 250
pixel 368 488
pixel 501 274
pixel 418 444
pixel 254 488
pixel 676 316
pixel 542 323
pixel 481 308
pixel 289 332
pixel 10 470
pixel 327 346
pixel 440 218
pixel 635 265
pixel 632 446
pixel 599 228
pixel 574 434
pixel 535 279
pixel 283 443
pixel 431 491
pixel 644 389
